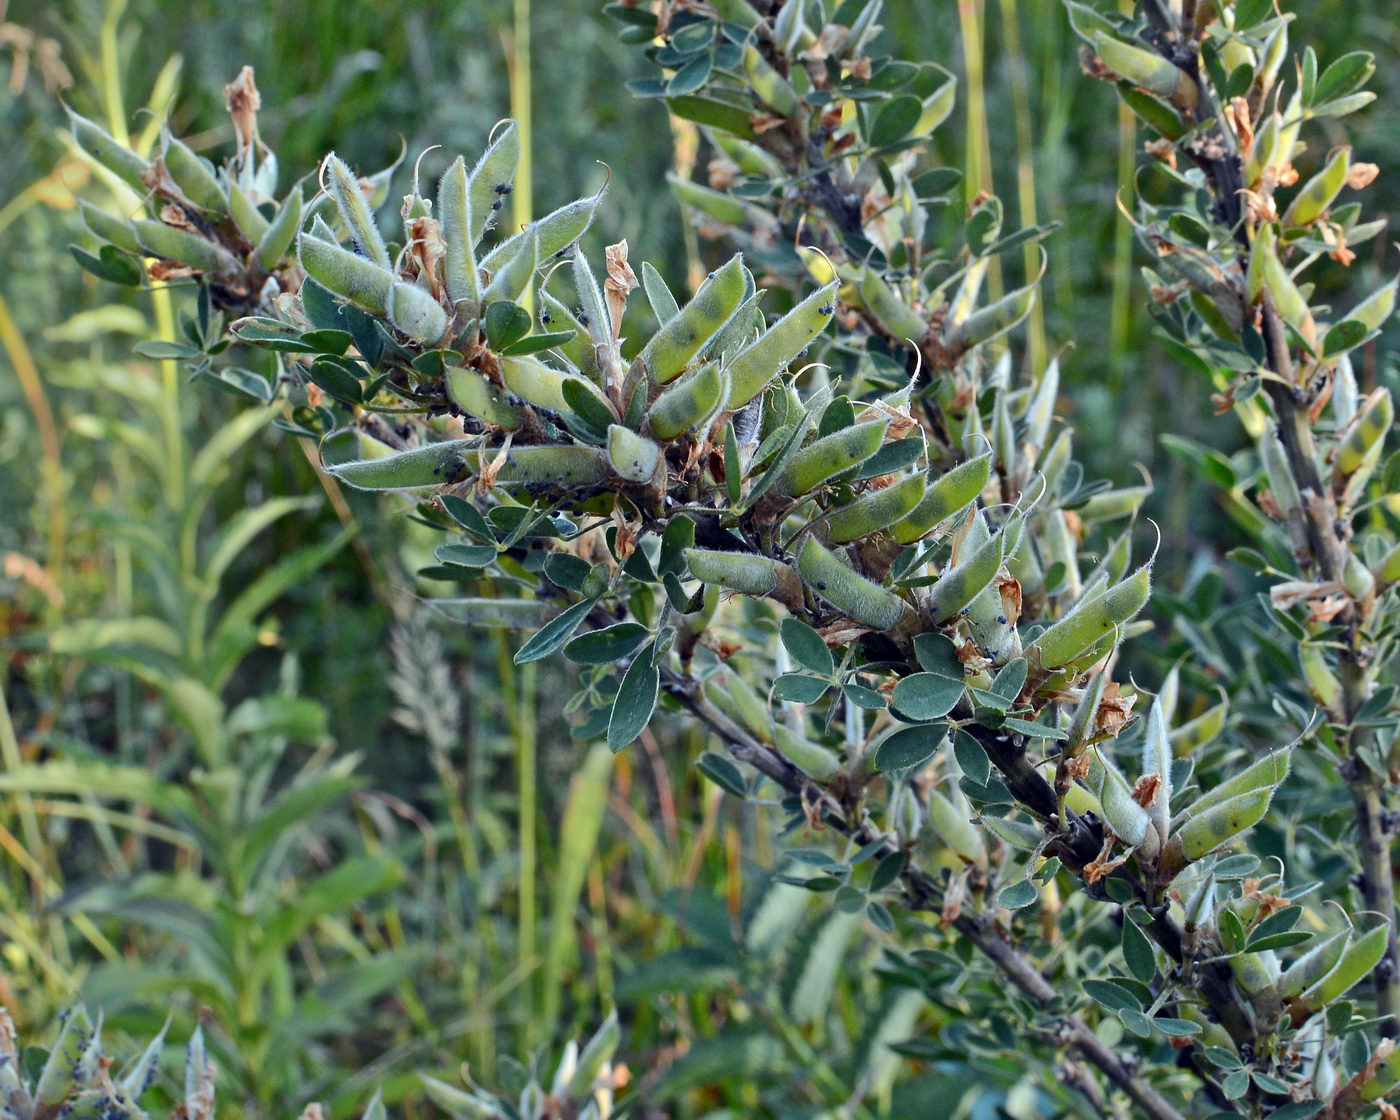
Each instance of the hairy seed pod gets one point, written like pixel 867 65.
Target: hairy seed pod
pixel 1276 470
pixel 687 402
pixel 455 220
pixel 473 393
pixel 937 107
pixel 1388 570
pixel 1385 1062
pixel 275 242
pixel 747 157
pixel 1040 408
pixel 954 829
pixel 1196 733
pixel 543 386
pixel 1361 448
pixel 1201 833
pixel 415 312
pixel 108 151
pixel 1157 762
pixel 963 582
pixel 1312 966
pixel 554 233
pixel 511 272
pixel 1091 621
pixel 953 492
pixel 1357 579
pixel 494 170
pixel 1361 956
pixel 183 247
pixel 1128 820
pixel 344 188
pixel 990 623
pixel 831 455
pixel 1322 682
pixel 995 319
pixel 754 367
pixel 857 597
pixel 1267 775
pixel 881 300
pixel 740 12
pixel 1200 906
pixel 1083 729
pixel 723 208
pixel 736 698
pixel 246 216
pixel 1255 973
pixel 347 274
pixel 557 469
pixel 107 228
pixel 670 350
pixel 65 1064
pixel 419 469
pixel 759 576
pixel 1109 504
pixel 1265 151
pixel 579 349
pixel 875 510
pixel 1318 193
pixel 772 88
pixel 814 759
pixel 1373 311
pixel 597 1053
pixel 1145 69
pixel 194 177
pixel 633 456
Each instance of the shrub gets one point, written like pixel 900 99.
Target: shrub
pixel 848 538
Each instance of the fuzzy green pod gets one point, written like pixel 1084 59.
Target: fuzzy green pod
pixel 535 383
pixel 347 274
pixel 415 312
pixel 491 180
pixel 1157 762
pixel 1375 309
pixel 1128 820
pixel 831 455
pixel 556 468
pixel 457 1103
pixel 760 576
pixel 579 349
pixel 755 366
pixel 861 600
pixel 723 208
pixel 937 107
pixel 1110 504
pixel 995 319
pixel 246 216
pixel 1144 68
pixel 1264 152
pixel 65 1063
pixel 1360 957
pixel 278 239
pixel 108 151
pixel 735 697
pixel 1357 579
pixel 183 247
pixel 747 157
pixel 738 11
pixel 1322 682
pixel 952 492
pixel 1267 775
pixel 344 188
pixel 1291 304
pixel 1318 193
pixel 963 582
pixel 473 393
pixel 772 88
pixel 876 510
pixel 455 221
pixel 1091 621
pixel 418 469
pixel 194 177
pixel 882 301
pixel 955 829
pixel 1083 729
pixel 813 758
pixel 1199 731
pixel 108 228
pixel 671 348
pixel 554 233
pixel 1040 409
pixel 596 1054
pixel 633 456
pixel 1362 446
pixel 1312 966
pixel 1388 570
pixel 1386 1064
pixel 687 402
pixel 1276 470
pixel 1201 833
pixel 511 272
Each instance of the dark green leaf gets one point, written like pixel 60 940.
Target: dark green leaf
pixel 806 646
pixel 635 701
pixel 909 747
pixel 554 633
pixel 924 696
pixel 602 647
pixel 505 322
pixel 895 120
pixel 800 688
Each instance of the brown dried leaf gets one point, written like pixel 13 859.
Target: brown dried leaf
pixel 620 281
pixel 243 101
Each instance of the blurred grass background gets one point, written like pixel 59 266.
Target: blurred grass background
pixel 511 927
